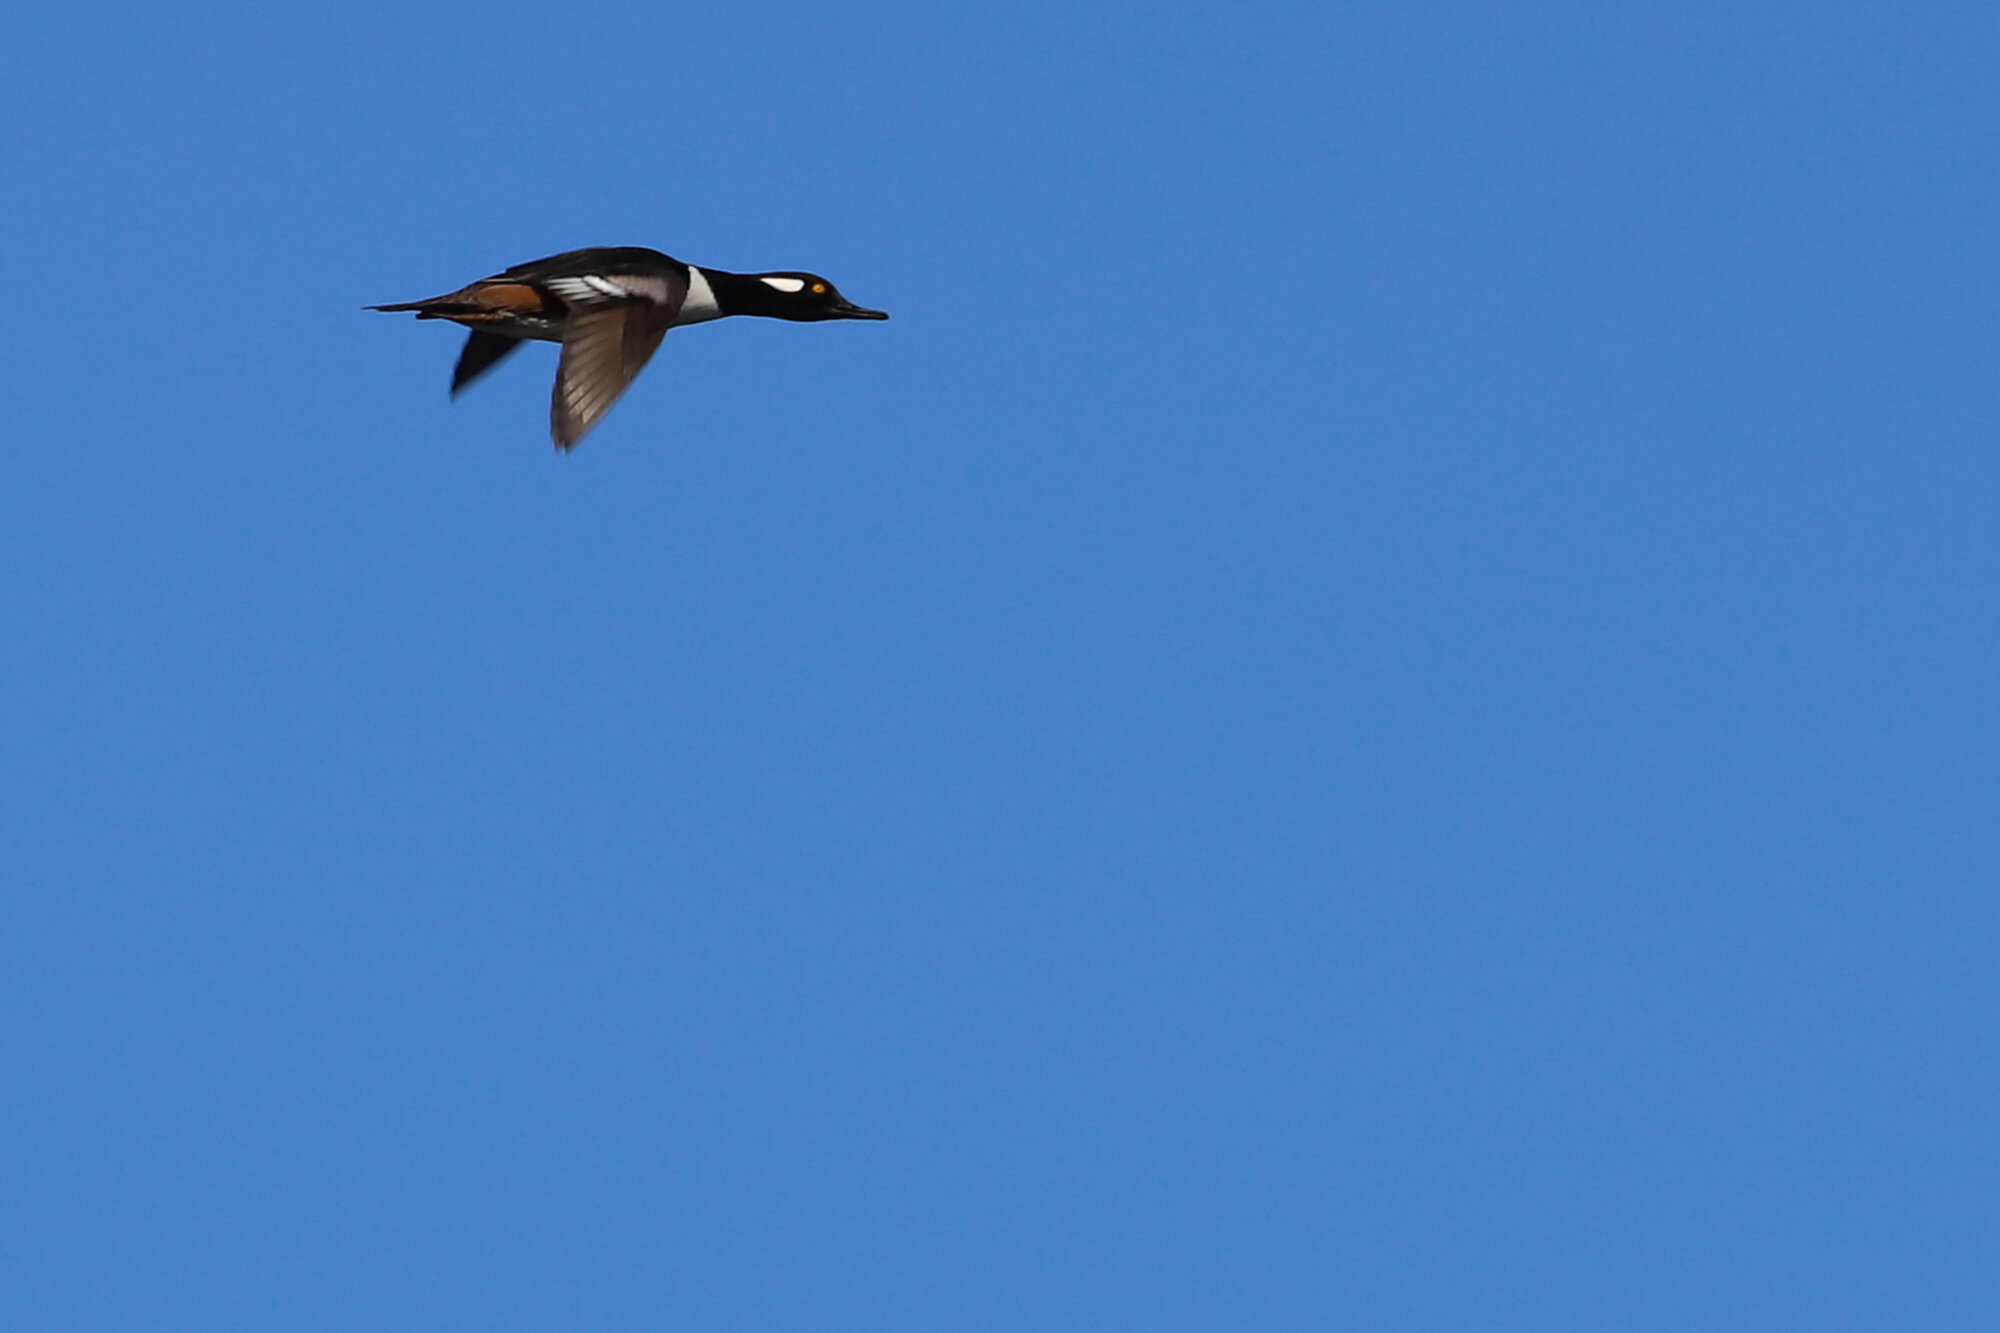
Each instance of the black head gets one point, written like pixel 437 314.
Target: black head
pixel 801 296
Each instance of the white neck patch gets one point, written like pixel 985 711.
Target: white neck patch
pixel 785 284
pixel 700 303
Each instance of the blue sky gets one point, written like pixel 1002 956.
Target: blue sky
pixel 1374 708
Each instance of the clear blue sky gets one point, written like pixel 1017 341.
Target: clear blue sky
pixel 1375 708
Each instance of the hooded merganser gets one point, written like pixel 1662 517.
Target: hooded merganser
pixel 609 307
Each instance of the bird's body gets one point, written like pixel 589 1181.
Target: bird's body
pixel 609 307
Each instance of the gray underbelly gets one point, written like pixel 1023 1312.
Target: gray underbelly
pixel 551 330
pixel 538 330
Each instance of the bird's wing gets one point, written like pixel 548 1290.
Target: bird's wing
pixel 616 321
pixel 483 351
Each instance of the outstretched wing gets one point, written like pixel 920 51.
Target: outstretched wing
pixel 616 321
pixel 483 351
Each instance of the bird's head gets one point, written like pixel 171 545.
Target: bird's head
pixel 802 296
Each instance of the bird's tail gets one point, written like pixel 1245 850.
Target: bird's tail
pixel 437 307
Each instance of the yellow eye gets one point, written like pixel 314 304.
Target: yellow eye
pixel 819 288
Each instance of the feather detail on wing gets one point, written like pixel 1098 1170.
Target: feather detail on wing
pixel 603 349
pixel 616 322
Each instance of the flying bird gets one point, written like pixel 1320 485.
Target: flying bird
pixel 609 307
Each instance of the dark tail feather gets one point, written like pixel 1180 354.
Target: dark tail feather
pixel 483 351
pixel 435 308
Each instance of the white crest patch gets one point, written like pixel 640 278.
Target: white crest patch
pixel 785 284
